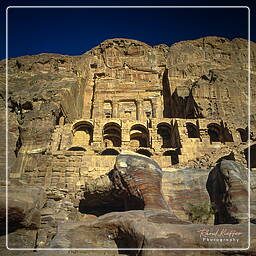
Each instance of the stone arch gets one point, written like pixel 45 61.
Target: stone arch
pixel 112 135
pixel 192 130
pixel 109 152
pixel 243 134
pixel 214 131
pixel 164 130
pixel 144 152
pixel 82 134
pixel 139 136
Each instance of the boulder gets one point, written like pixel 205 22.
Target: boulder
pixel 185 192
pixel 227 185
pixel 141 178
pixel 24 204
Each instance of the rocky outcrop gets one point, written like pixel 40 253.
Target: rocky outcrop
pixel 198 79
pixel 137 176
pixel 185 192
pixel 37 86
pixel 69 116
pixel 149 229
pixel 140 177
pixel 24 205
pixel 228 186
pixel 134 183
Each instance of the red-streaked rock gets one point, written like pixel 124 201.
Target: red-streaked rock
pixel 227 185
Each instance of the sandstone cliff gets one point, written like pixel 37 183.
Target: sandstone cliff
pixel 205 78
pixel 184 105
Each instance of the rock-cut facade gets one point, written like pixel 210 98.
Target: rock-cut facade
pixel 183 105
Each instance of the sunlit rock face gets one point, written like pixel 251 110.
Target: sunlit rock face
pixel 141 177
pixel 182 107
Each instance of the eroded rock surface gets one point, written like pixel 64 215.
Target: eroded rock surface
pixel 185 192
pixel 184 99
pixel 228 187
pixel 149 229
pixel 24 205
pixel 140 177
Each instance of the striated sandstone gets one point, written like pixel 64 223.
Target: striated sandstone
pixel 227 185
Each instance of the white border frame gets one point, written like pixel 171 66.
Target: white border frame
pixel 249 130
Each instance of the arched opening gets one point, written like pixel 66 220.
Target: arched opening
pixel 83 134
pixel 192 130
pixel 109 152
pixel 174 156
pixel 164 130
pixel 76 149
pixel 243 134
pixel 112 135
pixel 139 136
pixel 144 152
pixel 214 131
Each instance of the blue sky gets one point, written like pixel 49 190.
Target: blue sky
pixel 74 31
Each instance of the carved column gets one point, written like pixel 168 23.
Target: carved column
pixel 156 108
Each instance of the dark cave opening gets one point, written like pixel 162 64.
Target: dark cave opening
pixel 214 131
pixel 165 130
pixel 139 135
pixel 100 204
pixel 85 130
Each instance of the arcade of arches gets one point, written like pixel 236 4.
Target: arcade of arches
pixel 170 141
